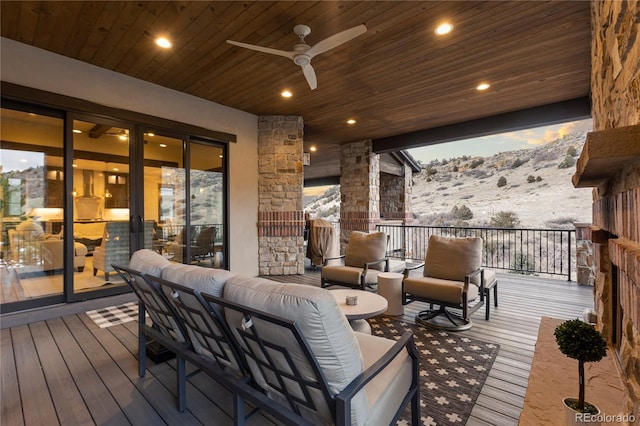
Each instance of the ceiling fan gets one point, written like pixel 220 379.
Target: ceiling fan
pixel 302 53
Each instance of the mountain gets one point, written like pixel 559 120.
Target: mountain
pixel 529 186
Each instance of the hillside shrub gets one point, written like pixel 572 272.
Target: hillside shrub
pixel 504 219
pixel 477 162
pixel 565 222
pixel 502 182
pixel 455 169
pixel 431 171
pixel 517 163
pixel 462 213
pixel 567 162
pixel 477 173
pixel 531 178
pixel 538 178
pixel 572 151
pixel 522 264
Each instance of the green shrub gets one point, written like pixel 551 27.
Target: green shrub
pixel 538 178
pixel 502 181
pixel 531 178
pixel 504 219
pixel 572 151
pixel 477 162
pixel 462 213
pixel 517 163
pixel 522 264
pixel 567 162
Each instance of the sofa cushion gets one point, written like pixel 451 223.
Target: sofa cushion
pixel 206 280
pixel 149 262
pixel 320 321
pixel 453 258
pixel 363 248
pixel 386 390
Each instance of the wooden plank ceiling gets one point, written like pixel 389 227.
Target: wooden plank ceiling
pixel 398 77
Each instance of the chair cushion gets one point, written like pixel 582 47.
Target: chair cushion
pixel 363 248
pixel 149 262
pixel 325 328
pixel 206 280
pixel 386 391
pixel 453 258
pixel 438 289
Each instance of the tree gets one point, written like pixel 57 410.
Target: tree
pixel 567 162
pixel 579 340
pixel 504 219
pixel 502 181
pixel 462 213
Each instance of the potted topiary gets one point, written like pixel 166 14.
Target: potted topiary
pixel 579 340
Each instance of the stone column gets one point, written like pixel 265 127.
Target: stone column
pixel 395 196
pixel 585 271
pixel 360 189
pixel 280 183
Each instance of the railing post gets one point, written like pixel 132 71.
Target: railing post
pixel 569 255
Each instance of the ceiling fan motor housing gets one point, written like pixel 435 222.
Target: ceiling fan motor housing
pixel 302 60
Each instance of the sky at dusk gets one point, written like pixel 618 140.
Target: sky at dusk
pixel 490 145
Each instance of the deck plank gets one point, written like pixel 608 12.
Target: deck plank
pixel 99 366
pixel 65 395
pixel 10 403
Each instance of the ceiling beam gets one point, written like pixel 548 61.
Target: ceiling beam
pixel 544 115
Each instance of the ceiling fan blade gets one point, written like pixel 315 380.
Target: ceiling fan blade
pixel 263 49
pixel 336 40
pixel 310 75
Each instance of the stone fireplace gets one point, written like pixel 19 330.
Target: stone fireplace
pixel 610 163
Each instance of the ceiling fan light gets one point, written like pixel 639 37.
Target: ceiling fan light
pixel 482 86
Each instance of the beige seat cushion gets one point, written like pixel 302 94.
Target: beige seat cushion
pixel 363 248
pixel 453 258
pixel 349 274
pixel 386 391
pixel 438 289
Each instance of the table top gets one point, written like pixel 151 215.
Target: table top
pixel 369 304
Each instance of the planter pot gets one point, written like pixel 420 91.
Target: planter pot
pixel 576 418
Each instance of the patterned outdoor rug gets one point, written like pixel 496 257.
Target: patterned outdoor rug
pixel 453 369
pixel 114 315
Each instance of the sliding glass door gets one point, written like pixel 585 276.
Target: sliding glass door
pixel 79 193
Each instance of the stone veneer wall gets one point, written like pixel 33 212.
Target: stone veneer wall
pixel 360 189
pixel 615 84
pixel 395 196
pixel 280 184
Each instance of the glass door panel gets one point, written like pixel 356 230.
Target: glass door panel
pixel 101 202
pixel 207 209
pixel 31 206
pixel 165 195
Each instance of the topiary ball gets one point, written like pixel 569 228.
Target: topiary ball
pixel 579 340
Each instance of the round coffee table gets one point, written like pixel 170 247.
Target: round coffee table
pixel 369 305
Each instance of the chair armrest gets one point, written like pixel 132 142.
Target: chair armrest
pixel 343 399
pixel 467 279
pixel 414 266
pixel 326 259
pixel 375 262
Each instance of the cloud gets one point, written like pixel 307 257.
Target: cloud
pixel 556 132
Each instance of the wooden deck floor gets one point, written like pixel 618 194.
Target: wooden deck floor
pixel 68 371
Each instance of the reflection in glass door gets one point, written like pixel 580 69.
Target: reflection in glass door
pixel 207 208
pixel 100 202
pixel 31 206
pixel 164 195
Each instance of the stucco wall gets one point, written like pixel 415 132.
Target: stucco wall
pixel 32 67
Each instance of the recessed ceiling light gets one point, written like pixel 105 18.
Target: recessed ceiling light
pixel 286 94
pixel 444 28
pixel 163 145
pixel 77 131
pixel 150 134
pixel 74 165
pixel 351 121
pixel 163 42
pixel 115 169
pixel 483 86
pixel 312 148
